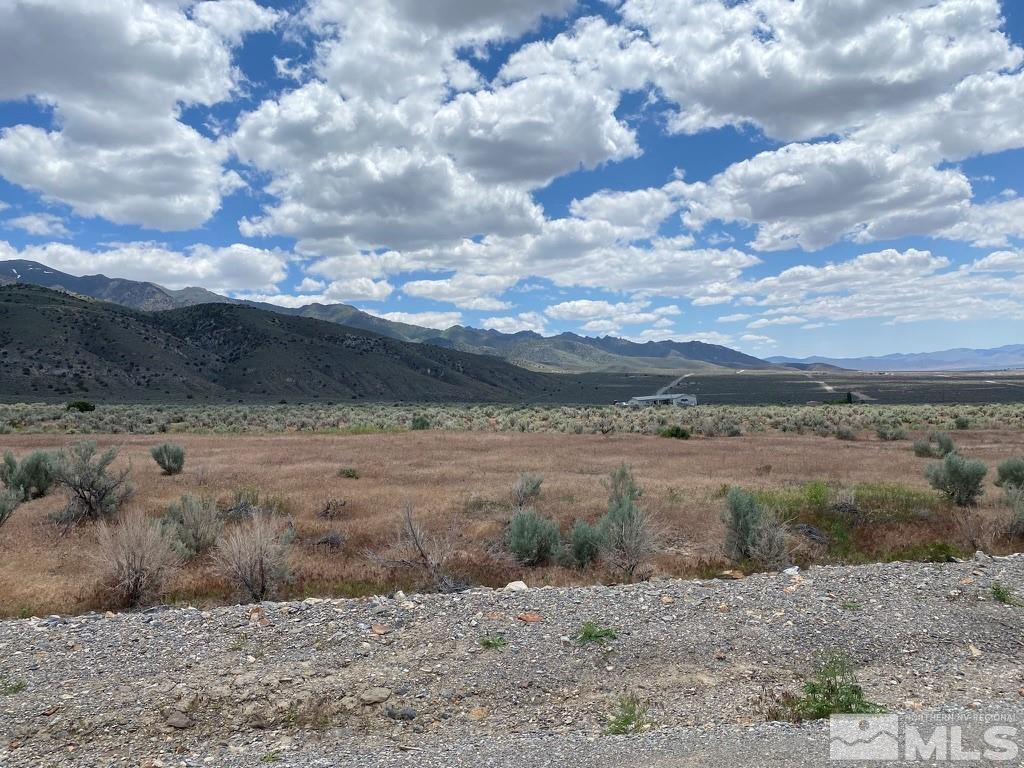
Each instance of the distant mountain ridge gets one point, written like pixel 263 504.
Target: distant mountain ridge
pixel 564 353
pixel 961 359
pixel 59 346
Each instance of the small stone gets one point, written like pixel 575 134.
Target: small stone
pixel 479 713
pixel 667 599
pixel 400 596
pixel 401 713
pixel 179 720
pixel 375 696
pixel 530 617
pixel 793 571
pixel 517 586
pixel 380 629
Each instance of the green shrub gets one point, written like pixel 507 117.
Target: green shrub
pixel 944 444
pixel 676 432
pixel 622 485
pixel 33 477
pixel 590 632
pixel 94 493
pixel 350 473
pixel 1015 498
pixel 962 422
pixel 630 716
pixel 82 406
pixel 890 433
pixel 629 534
pixel 526 489
pixel 193 526
pixel 1011 473
pixel 170 457
pixel 493 642
pixel 419 422
pixel 959 479
pixel 833 691
pixel 585 543
pixel 534 540
pixel 845 433
pixel 743 518
pixel 9 501
pixel 923 449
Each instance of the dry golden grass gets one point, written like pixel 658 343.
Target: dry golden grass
pixel 458 480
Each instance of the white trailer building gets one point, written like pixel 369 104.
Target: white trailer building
pixel 648 401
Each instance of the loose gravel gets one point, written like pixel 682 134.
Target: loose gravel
pixel 405 681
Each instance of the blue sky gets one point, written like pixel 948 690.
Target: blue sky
pixel 777 176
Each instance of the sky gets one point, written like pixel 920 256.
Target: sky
pixel 785 177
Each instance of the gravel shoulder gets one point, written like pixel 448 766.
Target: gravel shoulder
pixel 405 681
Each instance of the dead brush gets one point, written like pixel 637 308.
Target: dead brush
pixel 416 551
pixel 135 560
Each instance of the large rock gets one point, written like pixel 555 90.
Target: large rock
pixel 375 696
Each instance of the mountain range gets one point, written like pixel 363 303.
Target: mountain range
pixel 54 345
pixel 564 353
pixel 962 359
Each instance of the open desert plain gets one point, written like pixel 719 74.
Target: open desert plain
pixel 511 383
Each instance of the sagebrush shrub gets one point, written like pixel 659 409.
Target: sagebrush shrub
pixel 254 556
pixel 676 432
pixel 193 526
pixel 743 517
pixel 94 492
pixel 890 433
pixel 959 479
pixel 622 485
pixel 10 498
pixel 1011 473
pixel 585 543
pixel 1015 498
pixel 923 449
pixel 629 536
pixel 534 540
pixel 944 443
pixel 33 476
pixel 170 457
pixel 526 489
pixel 845 433
pixel 419 422
pixel 135 560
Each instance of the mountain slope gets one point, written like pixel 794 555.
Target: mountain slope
pixel 56 345
pixel 1011 356
pixel 565 353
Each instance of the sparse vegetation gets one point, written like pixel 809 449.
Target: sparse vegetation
pixel 253 557
pixel 630 716
pixel 591 632
pixel 526 489
pixel 959 479
pixel 170 458
pixel 675 432
pixel 493 642
pixel 10 499
pixel 11 687
pixel 832 691
pixel 890 432
pixel 533 539
pixel 95 493
pixel 135 560
pixel 629 533
pixel 349 473
pixel 1003 594
pixel 419 422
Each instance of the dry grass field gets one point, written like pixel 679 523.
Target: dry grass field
pixel 459 484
